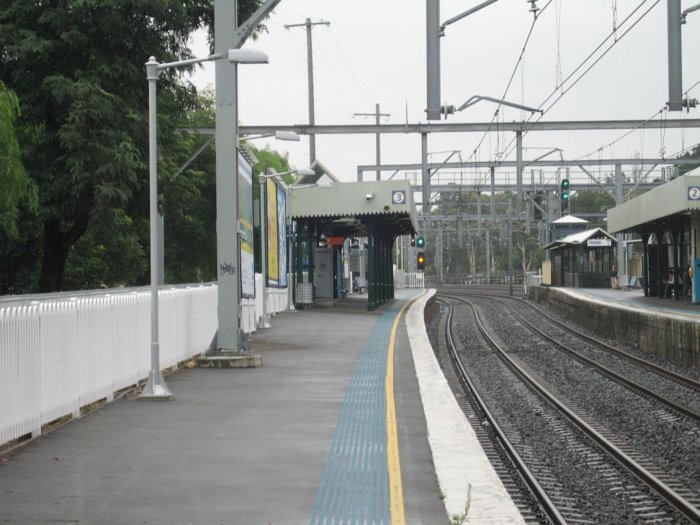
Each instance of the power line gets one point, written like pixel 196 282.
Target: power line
pixel 615 42
pixel 347 65
pixel 512 76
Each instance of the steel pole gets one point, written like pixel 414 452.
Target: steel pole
pixel 227 247
pixel 264 320
pixel 432 56
pixel 519 169
pixel 310 78
pixel 378 145
pixel 155 385
pixel 290 253
pixel 675 56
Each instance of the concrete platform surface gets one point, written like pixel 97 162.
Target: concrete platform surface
pixel 235 446
pixel 635 298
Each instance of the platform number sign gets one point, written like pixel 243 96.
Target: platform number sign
pixel 398 197
pixel 694 193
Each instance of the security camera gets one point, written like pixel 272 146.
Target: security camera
pixel 369 196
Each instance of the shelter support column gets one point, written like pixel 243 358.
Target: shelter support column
pixel 659 234
pixel 381 266
pixel 645 262
pixel 695 257
pixel 392 292
pixel 298 253
pixel 621 264
pixel 371 269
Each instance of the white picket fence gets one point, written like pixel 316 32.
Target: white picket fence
pixel 60 353
pixel 404 279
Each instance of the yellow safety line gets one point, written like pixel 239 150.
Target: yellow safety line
pixel 393 462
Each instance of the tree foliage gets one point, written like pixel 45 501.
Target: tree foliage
pixel 692 154
pixel 16 187
pixel 77 67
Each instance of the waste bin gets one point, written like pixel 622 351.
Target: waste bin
pixel 305 294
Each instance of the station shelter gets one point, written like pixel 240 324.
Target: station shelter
pixel 331 217
pixel 582 260
pixel 666 220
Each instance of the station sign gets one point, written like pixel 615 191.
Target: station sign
pixel 398 197
pixel 599 242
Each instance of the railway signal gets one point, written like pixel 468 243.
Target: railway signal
pixel 564 195
pixel 420 242
pixel 413 241
pixel 420 261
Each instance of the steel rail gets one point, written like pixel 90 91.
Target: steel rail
pixel 609 372
pixel 670 374
pixel 545 503
pixel 667 493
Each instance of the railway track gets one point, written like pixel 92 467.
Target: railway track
pixel 611 468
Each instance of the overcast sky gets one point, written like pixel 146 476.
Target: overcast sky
pixel 374 52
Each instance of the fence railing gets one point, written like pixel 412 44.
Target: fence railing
pixel 61 353
pixel 404 279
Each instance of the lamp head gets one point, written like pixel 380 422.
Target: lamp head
pixel 247 56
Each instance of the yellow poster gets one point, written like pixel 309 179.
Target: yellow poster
pixel 273 270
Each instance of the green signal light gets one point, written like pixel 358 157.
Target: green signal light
pixel 565 184
pixel 420 242
pixel 565 196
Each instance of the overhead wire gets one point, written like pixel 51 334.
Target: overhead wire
pixel 347 65
pixel 333 78
pixel 510 80
pixel 588 69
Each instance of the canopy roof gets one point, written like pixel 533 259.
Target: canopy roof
pixel 348 208
pixel 675 198
pixel 570 219
pixel 580 238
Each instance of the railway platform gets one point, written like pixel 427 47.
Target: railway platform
pixel 349 420
pixel 635 298
pixel 665 327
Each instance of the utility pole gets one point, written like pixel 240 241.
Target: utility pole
pixel 308 24
pixel 376 114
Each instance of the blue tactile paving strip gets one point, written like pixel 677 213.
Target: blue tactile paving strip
pixel 355 484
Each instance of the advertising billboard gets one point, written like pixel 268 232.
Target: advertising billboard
pixel 245 214
pixel 273 270
pixel 282 235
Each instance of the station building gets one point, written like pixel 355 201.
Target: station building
pixel 662 224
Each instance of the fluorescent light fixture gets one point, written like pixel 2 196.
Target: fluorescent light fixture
pixel 247 56
pixel 287 135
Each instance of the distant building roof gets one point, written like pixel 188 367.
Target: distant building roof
pixel 580 238
pixel 570 219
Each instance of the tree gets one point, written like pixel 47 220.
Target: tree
pixel 78 70
pixel 692 154
pixel 16 187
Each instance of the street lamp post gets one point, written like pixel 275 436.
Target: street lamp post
pixel 155 387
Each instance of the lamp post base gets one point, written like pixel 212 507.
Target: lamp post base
pixel 224 360
pixel 156 388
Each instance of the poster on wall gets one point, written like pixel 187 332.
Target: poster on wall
pixel 282 235
pixel 245 214
pixel 273 271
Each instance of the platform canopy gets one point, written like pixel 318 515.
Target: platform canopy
pixel 347 209
pixel 679 197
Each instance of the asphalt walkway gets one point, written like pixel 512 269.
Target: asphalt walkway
pixel 235 446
